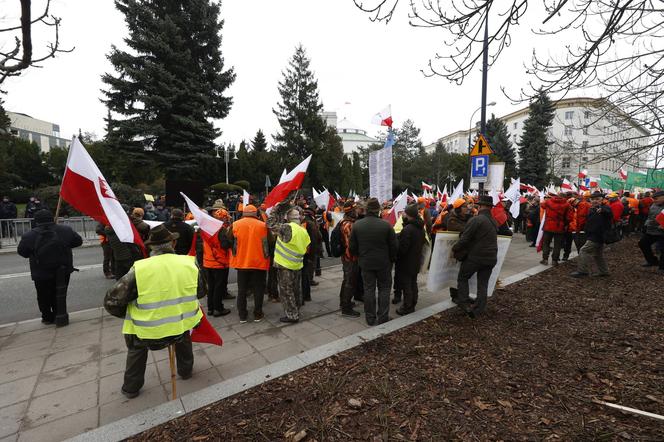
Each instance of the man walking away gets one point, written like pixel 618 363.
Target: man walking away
pixel 654 233
pixel 215 262
pixel 289 256
pixel 409 258
pixel 158 300
pixel 186 232
pixel 48 246
pixel 8 213
pixel 558 215
pixel 477 249
pixel 598 222
pixel 251 258
pixel 348 262
pixel 108 265
pixel 373 240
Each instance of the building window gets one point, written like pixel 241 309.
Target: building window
pixel 568 130
pixel 566 162
pixel 586 115
pixel 516 125
pixel 569 115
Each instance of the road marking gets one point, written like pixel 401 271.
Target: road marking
pixel 20 275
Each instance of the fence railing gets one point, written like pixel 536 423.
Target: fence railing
pixel 11 230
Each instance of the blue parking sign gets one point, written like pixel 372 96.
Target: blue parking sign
pixel 480 166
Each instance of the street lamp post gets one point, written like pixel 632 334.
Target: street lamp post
pixel 227 153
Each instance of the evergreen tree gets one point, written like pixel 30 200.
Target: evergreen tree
pixel 259 142
pixel 168 86
pixel 534 143
pixel 4 119
pixel 346 182
pixel 406 147
pixel 358 179
pixel 499 140
pixel 303 130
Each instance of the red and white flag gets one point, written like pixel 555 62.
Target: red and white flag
pixel 288 183
pixel 660 218
pixel 583 173
pixel 384 117
pixel 594 182
pixel 622 173
pixel 332 202
pixel 426 186
pixel 540 234
pixel 245 198
pixel 208 225
pixel 85 189
pixel 398 206
pixel 566 185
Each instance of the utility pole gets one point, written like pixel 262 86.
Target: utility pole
pixel 485 68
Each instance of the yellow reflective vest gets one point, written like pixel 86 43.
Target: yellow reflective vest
pixel 290 254
pixel 167 304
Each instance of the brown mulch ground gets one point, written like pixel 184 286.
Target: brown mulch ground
pixel 527 370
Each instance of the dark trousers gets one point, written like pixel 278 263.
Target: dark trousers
pixel 46 297
pixel 326 240
pixel 306 279
pixel 253 280
pixel 121 268
pixel 579 240
pixel 568 240
pixel 531 233
pixel 272 283
pixel 398 290
pixel 645 244
pixel 557 245
pixel 466 271
pixel 381 279
pixel 217 280
pixel 408 285
pixel 108 258
pixel 349 284
pixel 8 229
pixel 137 357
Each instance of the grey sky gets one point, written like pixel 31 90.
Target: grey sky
pixel 367 64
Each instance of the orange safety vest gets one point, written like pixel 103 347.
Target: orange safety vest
pixel 250 235
pixel 633 205
pixel 214 257
pixel 438 224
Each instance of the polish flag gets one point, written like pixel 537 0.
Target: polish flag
pixel 205 333
pixel 322 199
pixel 540 234
pixel 288 183
pixel 594 182
pixel 426 186
pixel 566 185
pixel 338 196
pixel 384 117
pixel 660 218
pixel 458 192
pixel 209 226
pixel 622 173
pixel 398 207
pixel 85 189
pixel 245 198
pixel 332 202
pixel 583 173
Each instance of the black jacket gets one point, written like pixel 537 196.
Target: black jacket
pixel 373 240
pixel 186 232
pixel 8 210
pixel 479 240
pixel 411 241
pixel 598 222
pixel 26 248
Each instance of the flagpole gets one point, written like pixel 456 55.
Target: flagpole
pixel 57 208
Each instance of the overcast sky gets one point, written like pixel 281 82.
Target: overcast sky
pixel 368 65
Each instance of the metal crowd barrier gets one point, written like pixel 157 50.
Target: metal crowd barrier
pixel 11 230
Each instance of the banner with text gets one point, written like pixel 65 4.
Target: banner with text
pixel 380 174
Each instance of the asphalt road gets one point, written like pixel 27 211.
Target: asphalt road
pixel 86 288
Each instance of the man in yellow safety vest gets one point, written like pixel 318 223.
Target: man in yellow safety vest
pixel 158 299
pixel 292 243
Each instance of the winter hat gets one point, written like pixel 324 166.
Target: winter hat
pixel 138 212
pixel 249 210
pixel 218 204
pixel 412 211
pixel 458 203
pixel 485 200
pixel 160 235
pixel 177 214
pixel 43 216
pixel 373 206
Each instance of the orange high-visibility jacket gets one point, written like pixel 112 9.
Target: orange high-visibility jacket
pixel 250 248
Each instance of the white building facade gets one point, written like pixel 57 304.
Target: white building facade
pixel 585 135
pixel 45 134
pixel 352 135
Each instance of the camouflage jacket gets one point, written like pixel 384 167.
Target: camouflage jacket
pixel 277 223
pixel 125 291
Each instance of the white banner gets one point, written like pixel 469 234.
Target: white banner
pixel 380 174
pixel 444 268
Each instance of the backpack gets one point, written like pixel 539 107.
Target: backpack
pixel 50 252
pixel 336 244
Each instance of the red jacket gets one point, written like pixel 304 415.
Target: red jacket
pixel 617 209
pixel 558 214
pixel 645 205
pixel 582 210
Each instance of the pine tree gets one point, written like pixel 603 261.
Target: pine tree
pixel 534 143
pixel 303 130
pixel 499 140
pixel 259 143
pixel 4 119
pixel 357 174
pixel 169 85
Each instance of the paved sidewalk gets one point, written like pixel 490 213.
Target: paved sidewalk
pixel 56 383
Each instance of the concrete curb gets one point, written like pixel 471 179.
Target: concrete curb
pixel 150 418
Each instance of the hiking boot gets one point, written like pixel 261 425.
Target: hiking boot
pixel 578 274
pixel 544 262
pixel 350 313
pixel 317 273
pixel 402 311
pixel 314 283
pixel 222 312
pixel 258 317
pixel 129 395
pixel 288 320
pixel 228 296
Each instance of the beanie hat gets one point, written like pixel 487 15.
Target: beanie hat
pixel 373 206
pixel 412 211
pixel 43 216
pixel 458 203
pixel 249 210
pixel 177 214
pixel 138 212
